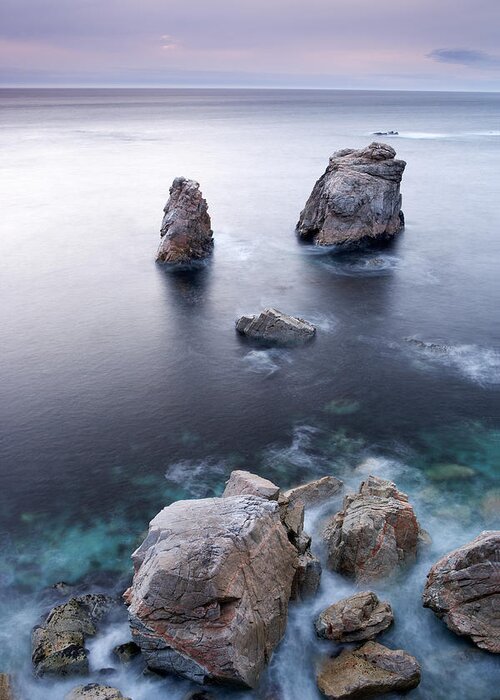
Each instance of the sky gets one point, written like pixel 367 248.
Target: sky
pixel 355 44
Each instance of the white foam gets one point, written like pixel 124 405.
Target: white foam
pixel 477 364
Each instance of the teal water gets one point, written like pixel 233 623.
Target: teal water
pixel 124 386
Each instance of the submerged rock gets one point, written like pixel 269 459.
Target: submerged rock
pixel 274 326
pixel 360 617
pixel 58 645
pixel 185 230
pixel 463 588
pixel 315 492
pixel 209 599
pixel 357 199
pixel 94 691
pixel 366 672
pixel 450 472
pixel 375 533
pixel 6 690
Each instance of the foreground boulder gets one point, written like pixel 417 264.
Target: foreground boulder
pixel 366 672
pixel 58 645
pixel 315 492
pixel 6 691
pixel 358 618
pixel 209 598
pixel 94 691
pixel 243 483
pixel 274 326
pixel 375 533
pixel 357 199
pixel 463 588
pixel 185 230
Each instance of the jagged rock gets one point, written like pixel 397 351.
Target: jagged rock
pixel 126 652
pixel 94 691
pixel 211 587
pixel 274 326
pixel 307 577
pixel 243 483
pixel 185 230
pixel 360 617
pixel 368 671
pixel 315 492
pixel 374 534
pixel 357 199
pixel 463 588
pixel 58 645
pixel 6 690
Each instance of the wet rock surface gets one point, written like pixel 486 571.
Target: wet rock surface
pixel 357 618
pixel 375 534
pixel 371 670
pixel 95 691
pixel 274 326
pixel 463 588
pixel 186 234
pixel 126 652
pixel 357 199
pixel 58 645
pixel 211 587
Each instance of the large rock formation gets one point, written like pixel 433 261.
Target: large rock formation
pixel 315 492
pixel 185 230
pixel 95 691
pixel 464 589
pixel 374 534
pixel 371 670
pixel 211 587
pixel 358 618
pixel 273 326
pixel 357 199
pixel 58 645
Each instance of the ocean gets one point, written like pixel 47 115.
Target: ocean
pixel 124 385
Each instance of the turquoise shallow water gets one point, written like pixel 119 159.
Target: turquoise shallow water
pixel 124 386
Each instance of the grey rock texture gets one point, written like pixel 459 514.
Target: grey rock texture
pixel 243 483
pixel 366 672
pixel 94 691
pixel 463 588
pixel 58 645
pixel 209 598
pixel 358 618
pixel 186 233
pixel 6 690
pixel 274 326
pixel 126 652
pixel 357 199
pixel 315 492
pixel 376 532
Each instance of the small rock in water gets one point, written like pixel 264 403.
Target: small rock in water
pixel 274 326
pixel 357 199
pixel 58 645
pixel 450 472
pixel 463 588
pixel 375 533
pixel 315 492
pixel 6 691
pixel 126 652
pixel 385 133
pixel 185 230
pixel 358 618
pixel 95 691
pixel 371 670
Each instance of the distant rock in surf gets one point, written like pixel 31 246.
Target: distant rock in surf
pixel 357 200
pixel 274 326
pixel 185 230
pixel 386 133
pixel 371 670
pixel 358 618
pixel 463 588
pixel 375 533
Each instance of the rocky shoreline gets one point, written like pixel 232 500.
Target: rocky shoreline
pixel 214 578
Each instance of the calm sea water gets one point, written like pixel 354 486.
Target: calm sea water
pixel 124 386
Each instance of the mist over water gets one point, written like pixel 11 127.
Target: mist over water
pixel 124 386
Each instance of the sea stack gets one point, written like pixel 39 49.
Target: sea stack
pixel 357 200
pixel 186 233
